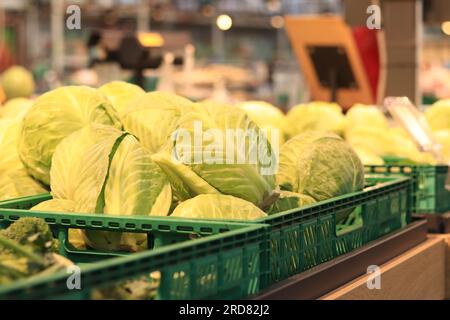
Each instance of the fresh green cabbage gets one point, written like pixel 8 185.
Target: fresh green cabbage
pixel 15 108
pixel 17 183
pixel 104 170
pixel 217 206
pixel 290 200
pixel 266 116
pixel 320 165
pixel 54 116
pixel 387 142
pixel 121 94
pixel 153 117
pixel 9 137
pixel 438 115
pixel 136 185
pixel 14 179
pixel 80 166
pixel 365 116
pixel 17 82
pixel 55 205
pixel 368 157
pixel 315 116
pixel 223 166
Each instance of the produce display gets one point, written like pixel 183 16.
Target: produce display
pixel 118 150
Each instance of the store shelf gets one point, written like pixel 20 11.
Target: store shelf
pixel 446 239
pixel 418 274
pixel 325 278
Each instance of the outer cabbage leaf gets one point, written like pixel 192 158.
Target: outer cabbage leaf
pixel 186 183
pixel 153 117
pixel 80 166
pixel 325 166
pixel 365 116
pixel 290 200
pixel 368 157
pixel 231 166
pixel 54 116
pixel 315 116
pixel 121 93
pixel 55 205
pixel 266 116
pixel 9 136
pixel 216 206
pixel 17 183
pixel 15 108
pixel 135 183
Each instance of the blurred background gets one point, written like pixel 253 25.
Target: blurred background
pixel 231 50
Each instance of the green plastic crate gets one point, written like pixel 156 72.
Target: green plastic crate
pixel 430 195
pixel 306 237
pixel 224 260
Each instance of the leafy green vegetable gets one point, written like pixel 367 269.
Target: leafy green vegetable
pixel 54 116
pixel 17 183
pixel 55 205
pixel 153 117
pixel 438 115
pixel 99 169
pixel 365 116
pixel 320 165
pixel 135 186
pixel 222 166
pixel 315 116
pixel 34 233
pixel 27 249
pixel 289 200
pixel 80 166
pixel 17 82
pixel 15 108
pixel 266 116
pixel 121 94
pixel 217 206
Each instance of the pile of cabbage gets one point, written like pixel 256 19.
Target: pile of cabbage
pixel 368 131
pixel 118 150
pixel 15 181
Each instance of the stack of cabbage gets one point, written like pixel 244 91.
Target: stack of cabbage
pixel 14 179
pixel 368 131
pixel 118 150
pixel 315 116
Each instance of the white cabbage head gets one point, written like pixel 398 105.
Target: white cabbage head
pixel 54 116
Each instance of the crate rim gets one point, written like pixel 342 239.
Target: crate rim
pixel 32 282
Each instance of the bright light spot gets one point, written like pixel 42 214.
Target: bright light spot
pixel 277 22
pixel 273 5
pixel 224 22
pixel 446 27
